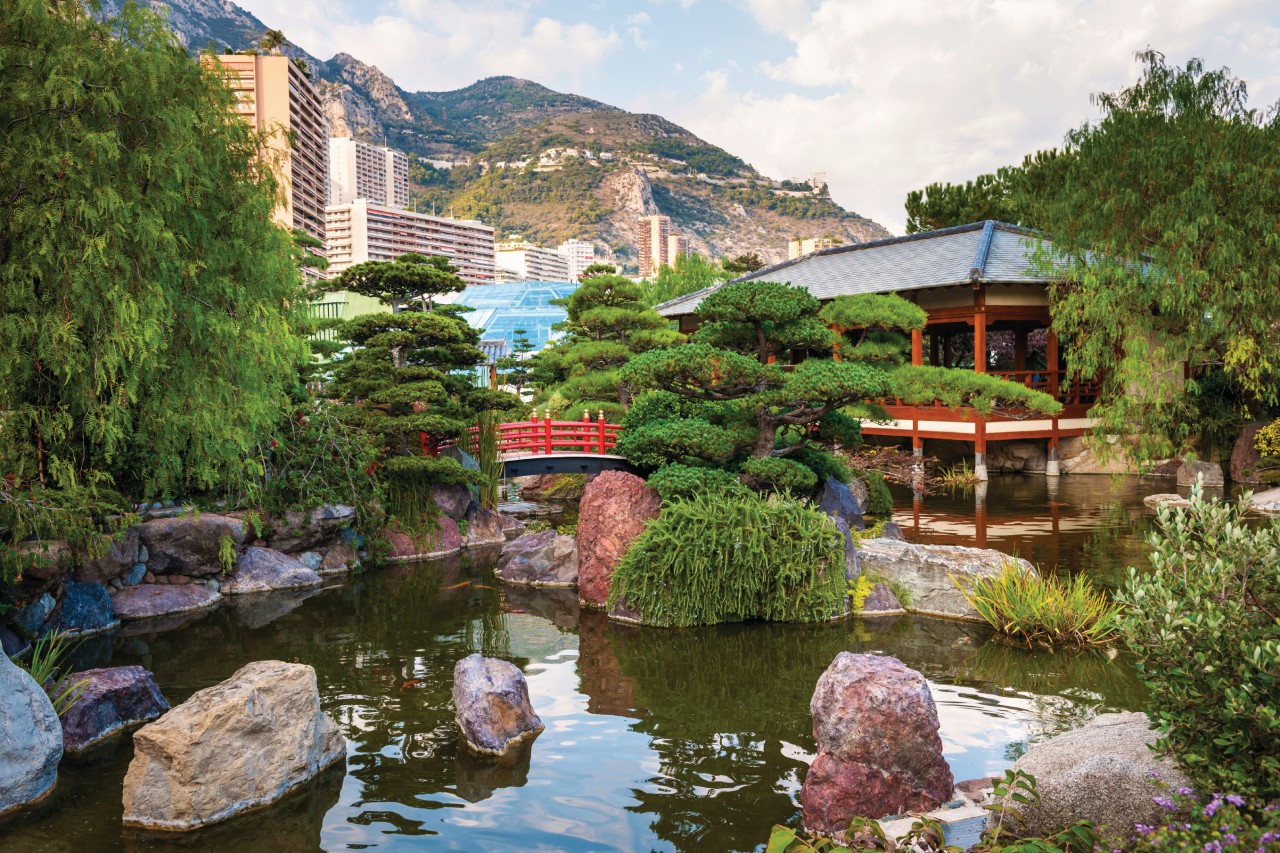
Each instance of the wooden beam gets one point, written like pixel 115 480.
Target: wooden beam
pixel 917 347
pixel 980 329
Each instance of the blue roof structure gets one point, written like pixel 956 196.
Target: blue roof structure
pixel 500 309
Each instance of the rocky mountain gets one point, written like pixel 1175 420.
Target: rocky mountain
pixel 548 165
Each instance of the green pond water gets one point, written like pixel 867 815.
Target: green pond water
pixel 691 740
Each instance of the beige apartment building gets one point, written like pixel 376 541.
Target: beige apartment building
pixel 363 231
pixel 528 262
pixel 677 245
pixel 361 170
pixel 275 96
pixel 809 245
pixel 653 244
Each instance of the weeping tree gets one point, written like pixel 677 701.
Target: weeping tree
pixel 148 307
pixel 608 322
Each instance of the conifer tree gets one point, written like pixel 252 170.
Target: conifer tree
pixel 514 369
pixel 409 277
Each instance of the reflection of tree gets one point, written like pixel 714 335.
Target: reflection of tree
pixel 723 702
pixel 1067 688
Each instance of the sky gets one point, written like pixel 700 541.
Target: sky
pixel 885 96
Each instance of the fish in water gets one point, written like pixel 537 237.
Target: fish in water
pixel 412 682
pixel 457 585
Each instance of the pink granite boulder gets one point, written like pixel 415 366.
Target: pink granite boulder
pixel 111 700
pixel 615 508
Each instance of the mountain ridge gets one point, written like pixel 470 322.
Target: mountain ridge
pixel 548 165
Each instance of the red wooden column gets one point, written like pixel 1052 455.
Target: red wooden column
pixel 546 434
pixel 917 347
pixel 1020 348
pixel 980 366
pixel 600 433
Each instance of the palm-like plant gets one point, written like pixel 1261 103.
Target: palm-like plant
pixel 272 41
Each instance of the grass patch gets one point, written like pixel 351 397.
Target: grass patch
pixel 1036 611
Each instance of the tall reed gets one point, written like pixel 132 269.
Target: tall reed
pixel 1034 610
pixel 489 456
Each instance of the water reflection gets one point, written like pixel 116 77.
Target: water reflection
pixel 666 740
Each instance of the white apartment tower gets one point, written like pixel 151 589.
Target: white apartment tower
pixel 581 254
pixel 361 231
pixel 359 170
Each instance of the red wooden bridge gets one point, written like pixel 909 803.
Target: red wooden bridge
pixel 544 446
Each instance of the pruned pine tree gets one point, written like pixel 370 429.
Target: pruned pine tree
pixel 410 278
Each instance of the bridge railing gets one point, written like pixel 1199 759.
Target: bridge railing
pixel 543 435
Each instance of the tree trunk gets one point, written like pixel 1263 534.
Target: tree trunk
pixel 762 345
pixel 767 439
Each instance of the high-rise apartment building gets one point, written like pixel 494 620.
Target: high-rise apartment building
pixel 363 231
pixel 653 244
pixel 530 262
pixel 275 96
pixel 677 245
pixel 361 170
pixel 581 254
pixel 808 245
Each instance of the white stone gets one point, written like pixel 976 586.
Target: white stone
pixel 30 738
pixel 924 573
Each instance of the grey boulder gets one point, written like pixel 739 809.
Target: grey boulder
pixel 148 600
pixel 923 573
pixel 484 527
pixel 300 531
pixel 30 739
pixel 491 705
pixel 846 502
pixel 189 544
pixel 540 559
pixel 454 501
pixel 1192 469
pixel 263 569
pixel 86 609
pixel 1102 772
pixel 118 559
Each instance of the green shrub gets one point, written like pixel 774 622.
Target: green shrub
pixel 824 464
pixel 1041 610
pixel 1204 624
pixel 683 481
pixel 657 443
pixel 880 502
pixel 726 558
pixel 47 665
pixel 775 474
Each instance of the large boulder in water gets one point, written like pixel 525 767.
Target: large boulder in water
pixel 924 573
pixel 111 700
pixel 540 559
pixel 229 748
pixel 1192 469
pixel 263 569
pixel 189 545
pixel 1103 772
pixel 484 527
pixel 453 500
pixel 30 741
pixel 491 705
pixel 1245 459
pixel 615 508
pixel 878 747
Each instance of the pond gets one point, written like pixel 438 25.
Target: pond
pixel 656 740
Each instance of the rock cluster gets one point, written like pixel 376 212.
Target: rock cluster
pixel 878 747
pixel 229 748
pixel 263 569
pixel 615 508
pixel 491 705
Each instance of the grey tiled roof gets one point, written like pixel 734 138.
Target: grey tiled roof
pixel 981 252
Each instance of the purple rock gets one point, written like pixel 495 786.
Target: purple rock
pixel 111 700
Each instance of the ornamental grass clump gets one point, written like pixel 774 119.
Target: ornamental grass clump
pixel 716 558
pixel 1034 610
pixel 1204 624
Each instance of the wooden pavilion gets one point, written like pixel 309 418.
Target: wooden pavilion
pixel 975 284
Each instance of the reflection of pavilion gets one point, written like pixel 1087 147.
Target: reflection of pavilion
pixel 987 311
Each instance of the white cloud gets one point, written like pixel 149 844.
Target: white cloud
pixel 445 44
pixel 914 91
pixel 638 28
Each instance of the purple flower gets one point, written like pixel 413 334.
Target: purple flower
pixel 1212 809
pixel 1213 847
pixel 1184 791
pixel 1143 829
pixel 1235 800
pixel 1165 803
pixel 1153 774
pixel 1230 838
